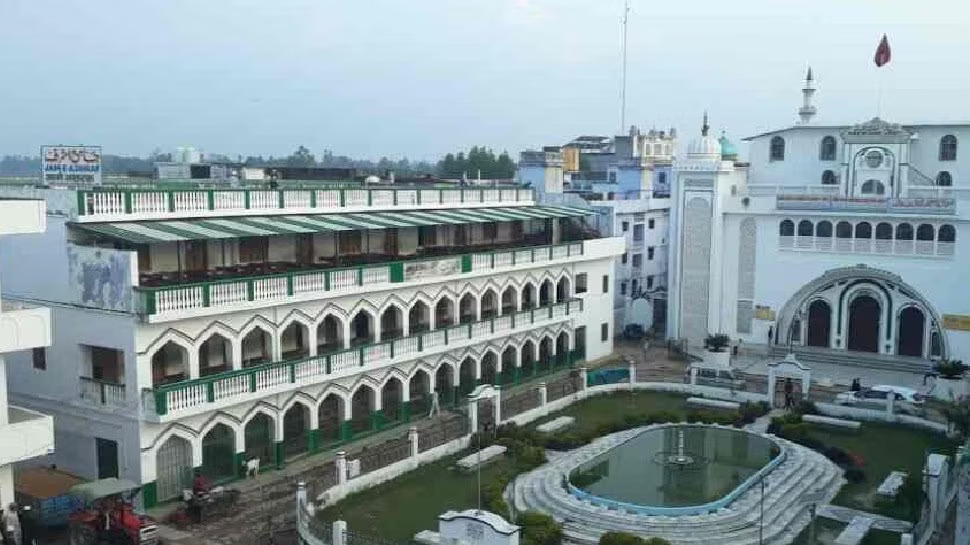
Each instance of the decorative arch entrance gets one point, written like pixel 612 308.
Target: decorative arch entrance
pixel 173 463
pixel 864 318
pixel 863 309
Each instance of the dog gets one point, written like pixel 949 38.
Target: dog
pixel 252 467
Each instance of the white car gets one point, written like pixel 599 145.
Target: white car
pixel 907 400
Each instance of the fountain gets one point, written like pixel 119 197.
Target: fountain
pixel 680 458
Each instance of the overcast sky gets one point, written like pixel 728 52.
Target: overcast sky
pixel 419 78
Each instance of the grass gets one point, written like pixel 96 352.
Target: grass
pixel 826 530
pixel 398 509
pixel 885 449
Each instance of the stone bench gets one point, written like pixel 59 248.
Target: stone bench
pixel 854 533
pixel 556 424
pixel 832 421
pixel 713 403
pixel 481 457
pixel 891 485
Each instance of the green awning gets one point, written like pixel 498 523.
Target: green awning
pixel 152 232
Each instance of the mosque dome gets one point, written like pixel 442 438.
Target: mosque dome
pixel 728 151
pixel 705 147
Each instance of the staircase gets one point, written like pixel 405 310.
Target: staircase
pixel 845 358
pixel 803 476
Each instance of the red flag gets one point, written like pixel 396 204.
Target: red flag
pixel 883 53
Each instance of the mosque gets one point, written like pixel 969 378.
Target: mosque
pixel 832 238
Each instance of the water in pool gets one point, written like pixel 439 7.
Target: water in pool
pixel 675 466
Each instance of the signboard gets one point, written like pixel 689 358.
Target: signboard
pixel 77 164
pixel 764 313
pixel 956 322
pixel 431 269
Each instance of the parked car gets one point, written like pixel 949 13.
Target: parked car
pixel 721 378
pixel 907 400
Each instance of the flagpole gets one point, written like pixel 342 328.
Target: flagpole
pixel 879 71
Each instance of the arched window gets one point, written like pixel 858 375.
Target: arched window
pixel 884 231
pixel 863 230
pixel 777 152
pixel 662 178
pixel 873 187
pixel 787 228
pixel 904 231
pixel 843 230
pixel 924 232
pixel 948 148
pixel 805 228
pixel 828 178
pixel 827 149
pixel 944 179
pixel 947 233
pixel 823 229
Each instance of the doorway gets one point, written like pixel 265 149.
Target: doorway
pixel 107 455
pixel 864 314
pixel 819 323
pixel 910 335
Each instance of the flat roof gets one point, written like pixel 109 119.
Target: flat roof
pixel 849 126
pixel 150 232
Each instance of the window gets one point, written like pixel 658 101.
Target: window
pixel 606 283
pixel 253 249
pixel 948 148
pixel 777 151
pixel 144 258
pixel 823 229
pixel 943 179
pixel 863 230
pixel 605 332
pixel 650 223
pixel 637 260
pixel 828 178
pixel 826 150
pixel 843 230
pixel 636 288
pixel 805 228
pixel 350 242
pixel 490 230
pixel 613 177
pixel 662 179
pixel 623 259
pixel 581 283
pixel 650 253
pixel 873 187
pixel 638 232
pixel 517 230
pixel 650 281
pixel 623 288
pixel 40 358
pixel 427 235
pixel 947 234
pixel 786 228
pixel 904 231
pixel 626 226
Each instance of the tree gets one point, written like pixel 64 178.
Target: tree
pixel 539 529
pixel 301 158
pixel 480 160
pixel 624 538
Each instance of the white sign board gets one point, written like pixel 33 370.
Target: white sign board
pixel 70 164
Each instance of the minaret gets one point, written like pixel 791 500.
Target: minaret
pixel 705 127
pixel 807 111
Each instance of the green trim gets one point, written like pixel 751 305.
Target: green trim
pixel 313 440
pixel 149 495
pixel 377 420
pixel 238 459
pixel 346 431
pixel 466 263
pixel 278 455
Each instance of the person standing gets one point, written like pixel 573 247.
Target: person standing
pixel 789 393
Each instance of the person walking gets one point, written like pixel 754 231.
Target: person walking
pixel 789 394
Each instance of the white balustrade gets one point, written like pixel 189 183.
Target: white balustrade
pixel 228 200
pixel 229 387
pixel 382 197
pixel 355 197
pixel 376 352
pixel 343 279
pixel 296 199
pixel 491 195
pixel 190 201
pixel 264 200
pixel 559 252
pixel 376 275
pixel 174 299
pixel 272 376
pixel 450 197
pixel 405 347
pixel 102 393
pixel 105 203
pixel 481 329
pixel 310 282
pixel 344 360
pixel 149 202
pixel 503 323
pixel 430 196
pixel 481 262
pixel 944 248
pixel 226 293
pixel 576 249
pixel 433 339
pixel 540 255
pixel 525 194
pixel 523 256
pixel 558 311
pixel 269 288
pixel 924 247
pixel 867 246
pixel 471 196
pixel 507 195
pixel 503 259
pixel 185 397
pixel 407 197
pixel 328 199
pixel 310 370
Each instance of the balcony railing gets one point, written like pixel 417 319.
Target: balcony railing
pixel 269 377
pixel 927 248
pixel 100 392
pixel 112 204
pixel 221 293
pixel 893 205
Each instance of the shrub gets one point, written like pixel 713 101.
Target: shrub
pixel 805 406
pixel 621 538
pixel 855 475
pixel 538 529
pixel 950 369
pixel 717 343
pixel 750 411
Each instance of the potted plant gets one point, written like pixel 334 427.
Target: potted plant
pixel 950 380
pixel 715 353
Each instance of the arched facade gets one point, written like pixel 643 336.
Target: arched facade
pixel 862 309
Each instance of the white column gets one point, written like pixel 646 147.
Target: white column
pixel 314 418
pixel 413 440
pixel 473 415
pixel 235 347
pixel 311 339
pixel 405 323
pixel 543 394
pixel 497 405
pixel 193 362
pixel 339 533
pixel 346 339
pixel 583 376
pixel 633 374
pixel 771 385
pixel 341 464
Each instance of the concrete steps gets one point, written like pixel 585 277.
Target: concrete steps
pixel 804 472
pixel 810 354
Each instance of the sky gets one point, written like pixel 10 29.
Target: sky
pixel 420 78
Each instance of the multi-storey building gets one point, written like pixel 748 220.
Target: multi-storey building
pixel 632 195
pixel 24 434
pixel 833 238
pixel 198 328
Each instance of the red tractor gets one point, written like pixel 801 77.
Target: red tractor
pixel 108 516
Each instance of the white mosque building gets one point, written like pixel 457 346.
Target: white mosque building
pixel 832 238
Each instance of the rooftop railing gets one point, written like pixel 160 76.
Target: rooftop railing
pixel 196 393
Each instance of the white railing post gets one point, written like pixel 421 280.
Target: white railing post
pixel 543 394
pixel 413 440
pixel 497 404
pixel 584 377
pixel 339 534
pixel 633 374
pixel 341 468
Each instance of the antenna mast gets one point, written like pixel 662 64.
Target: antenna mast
pixel 626 16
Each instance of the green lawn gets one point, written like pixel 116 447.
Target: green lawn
pixel 592 412
pixel 826 530
pixel 884 448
